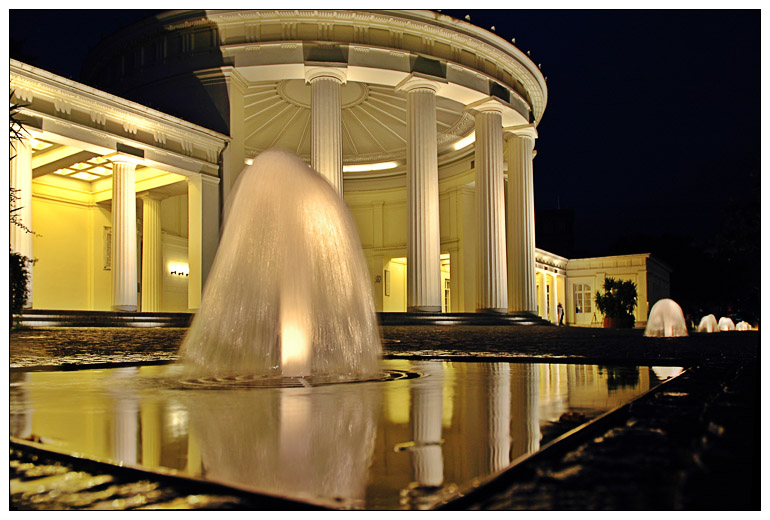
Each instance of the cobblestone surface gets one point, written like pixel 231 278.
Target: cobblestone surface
pixel 693 444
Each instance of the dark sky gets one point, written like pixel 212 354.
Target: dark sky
pixel 653 117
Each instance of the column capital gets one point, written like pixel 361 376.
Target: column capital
pixel 202 177
pixel 146 195
pixel 125 159
pixel 520 131
pixel 488 104
pixel 338 73
pixel 414 82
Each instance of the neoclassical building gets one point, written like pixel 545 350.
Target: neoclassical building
pixel 425 125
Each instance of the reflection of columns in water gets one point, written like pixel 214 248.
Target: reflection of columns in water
pixel 425 419
pixel 20 423
pixel 499 416
pixel 525 419
pixel 126 420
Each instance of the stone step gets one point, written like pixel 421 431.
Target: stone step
pixel 70 318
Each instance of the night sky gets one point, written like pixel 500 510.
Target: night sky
pixel 652 130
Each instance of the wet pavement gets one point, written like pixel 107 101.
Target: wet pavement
pixel 691 444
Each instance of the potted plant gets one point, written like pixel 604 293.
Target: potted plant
pixel 617 303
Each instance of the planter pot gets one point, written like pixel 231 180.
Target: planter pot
pixel 612 323
pixel 618 323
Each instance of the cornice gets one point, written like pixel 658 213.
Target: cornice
pixel 193 164
pixel 31 82
pixel 462 36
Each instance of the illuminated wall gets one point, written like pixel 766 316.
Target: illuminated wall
pixel 381 220
pixel 72 248
pixel 652 279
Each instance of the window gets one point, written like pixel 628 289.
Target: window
pixel 582 293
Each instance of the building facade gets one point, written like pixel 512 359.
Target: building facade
pixel 424 124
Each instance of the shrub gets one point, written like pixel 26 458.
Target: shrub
pixel 19 278
pixel 618 300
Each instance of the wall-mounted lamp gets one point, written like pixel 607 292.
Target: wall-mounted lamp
pixel 179 269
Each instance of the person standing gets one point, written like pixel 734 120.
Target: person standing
pixel 560 314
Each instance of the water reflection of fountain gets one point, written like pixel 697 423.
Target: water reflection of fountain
pixel 297 442
pixel 289 293
pixel 666 320
pixel 708 324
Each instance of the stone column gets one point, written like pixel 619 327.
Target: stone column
pixel 544 311
pixel 326 123
pixel 423 246
pixel 202 233
pixel 152 254
pixel 522 295
pixel 492 284
pixel 124 236
pixel 21 180
pixel 554 298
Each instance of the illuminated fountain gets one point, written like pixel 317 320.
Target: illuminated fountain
pixel 666 320
pixel 742 325
pixel 708 324
pixel 288 294
pixel 725 324
pixel 288 307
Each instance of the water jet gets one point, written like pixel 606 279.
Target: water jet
pixel 742 325
pixel 288 294
pixel 725 324
pixel 708 324
pixel 666 320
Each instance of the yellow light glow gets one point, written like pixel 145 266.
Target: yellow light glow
pixel 295 348
pixel 85 176
pixel 80 166
pixel 100 170
pixel 64 171
pixel 465 141
pixel 248 162
pixel 372 167
pixel 178 268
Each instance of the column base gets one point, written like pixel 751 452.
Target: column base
pixel 493 311
pixel 124 308
pixel 425 308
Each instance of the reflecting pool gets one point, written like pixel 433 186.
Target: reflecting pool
pixel 434 428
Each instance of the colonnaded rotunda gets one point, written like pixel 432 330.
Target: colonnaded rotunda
pixel 424 124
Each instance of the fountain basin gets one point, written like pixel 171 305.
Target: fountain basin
pixel 405 443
